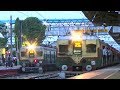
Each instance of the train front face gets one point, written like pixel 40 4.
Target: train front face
pixel 77 52
pixel 69 50
pixel 31 55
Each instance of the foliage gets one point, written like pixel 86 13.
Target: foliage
pixel 2 25
pixel 32 29
pixel 17 27
pixel 3 42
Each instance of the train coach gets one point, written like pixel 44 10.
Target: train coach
pixel 86 52
pixel 37 58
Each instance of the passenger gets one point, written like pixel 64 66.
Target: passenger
pixel 15 61
pixel 3 59
pixel 10 61
pixel 104 55
pixel 109 53
pixel 112 56
pixel 7 62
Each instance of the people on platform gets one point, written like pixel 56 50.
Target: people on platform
pixel 109 54
pixel 104 55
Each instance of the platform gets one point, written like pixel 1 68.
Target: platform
pixel 107 73
pixel 5 71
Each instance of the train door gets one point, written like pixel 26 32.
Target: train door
pixel 45 56
pixel 52 56
pixel 48 56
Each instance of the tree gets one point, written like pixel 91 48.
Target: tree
pixel 17 32
pixel 33 29
pixel 17 27
pixel 3 42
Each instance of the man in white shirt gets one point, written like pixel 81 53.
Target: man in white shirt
pixel 104 55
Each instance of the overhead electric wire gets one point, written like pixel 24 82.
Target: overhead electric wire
pixel 23 13
pixel 40 15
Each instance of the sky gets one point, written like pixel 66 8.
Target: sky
pixel 5 15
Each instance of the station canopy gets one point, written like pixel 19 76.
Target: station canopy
pixel 111 18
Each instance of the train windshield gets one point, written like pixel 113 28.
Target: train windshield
pixel 63 48
pixel 39 53
pixel 23 54
pixel 91 48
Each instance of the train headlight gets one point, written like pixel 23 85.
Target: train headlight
pixel 64 67
pixel 31 47
pixel 76 35
pixel 88 67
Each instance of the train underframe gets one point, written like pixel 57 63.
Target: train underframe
pixel 86 64
pixel 38 67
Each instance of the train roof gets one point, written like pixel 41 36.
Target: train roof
pixel 110 41
pixel 84 37
pixel 39 47
pixel 105 38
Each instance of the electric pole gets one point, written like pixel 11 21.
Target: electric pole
pixel 11 36
pixel 20 35
pixel 20 39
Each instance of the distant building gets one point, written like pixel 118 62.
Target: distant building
pixel 9 34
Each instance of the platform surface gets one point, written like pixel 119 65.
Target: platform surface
pixel 107 73
pixel 9 68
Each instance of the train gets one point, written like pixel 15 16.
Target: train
pixel 37 58
pixel 84 52
pixel 76 52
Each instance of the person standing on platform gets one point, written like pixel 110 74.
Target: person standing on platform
pixel 3 59
pixel 109 53
pixel 104 55
pixel 10 61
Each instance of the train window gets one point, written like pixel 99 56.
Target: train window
pixel 48 56
pixel 45 55
pixel 52 57
pixel 91 48
pixel 23 54
pixel 63 48
pixel 39 53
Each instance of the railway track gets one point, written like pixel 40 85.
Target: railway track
pixel 47 75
